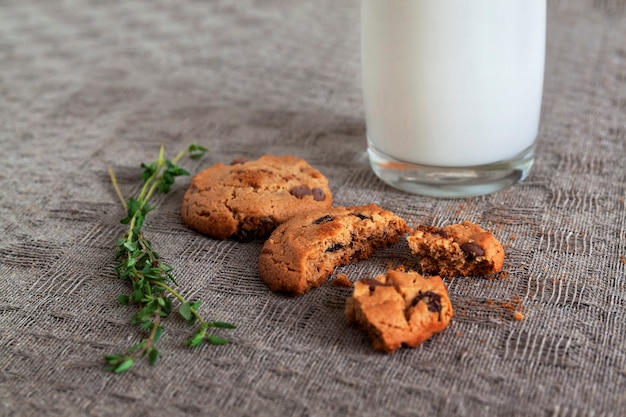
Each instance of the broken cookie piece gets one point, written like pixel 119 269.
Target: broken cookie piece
pixel 302 253
pixel 463 249
pixel 399 308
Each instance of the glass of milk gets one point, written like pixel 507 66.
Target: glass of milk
pixel 452 92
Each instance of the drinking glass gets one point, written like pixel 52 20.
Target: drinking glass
pixel 452 92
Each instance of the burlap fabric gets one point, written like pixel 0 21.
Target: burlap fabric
pixel 88 84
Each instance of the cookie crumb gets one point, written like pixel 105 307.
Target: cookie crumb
pixel 342 280
pixel 517 316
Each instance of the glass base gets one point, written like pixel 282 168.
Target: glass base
pixel 452 182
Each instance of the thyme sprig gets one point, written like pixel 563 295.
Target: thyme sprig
pixel 151 279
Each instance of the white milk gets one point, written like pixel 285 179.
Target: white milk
pixel 452 83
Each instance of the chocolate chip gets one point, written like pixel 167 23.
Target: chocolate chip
pixel 244 235
pixel 335 247
pixel 255 228
pixel 356 256
pixel 361 216
pixel 433 301
pixel 472 250
pixel 325 219
pixel 300 191
pixel 239 160
pixel 266 225
pixel 318 194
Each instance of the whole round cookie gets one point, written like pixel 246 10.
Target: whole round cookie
pixel 249 199
pixel 302 253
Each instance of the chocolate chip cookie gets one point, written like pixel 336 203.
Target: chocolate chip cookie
pixel 249 199
pixel 302 253
pixel 463 249
pixel 399 308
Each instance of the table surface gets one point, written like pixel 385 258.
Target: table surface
pixel 86 85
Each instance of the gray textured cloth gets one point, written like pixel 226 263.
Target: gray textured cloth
pixel 88 84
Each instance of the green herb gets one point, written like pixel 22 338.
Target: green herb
pixel 151 279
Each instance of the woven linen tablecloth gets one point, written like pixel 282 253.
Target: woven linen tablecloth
pixel 90 84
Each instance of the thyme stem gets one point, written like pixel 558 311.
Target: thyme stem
pixel 117 188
